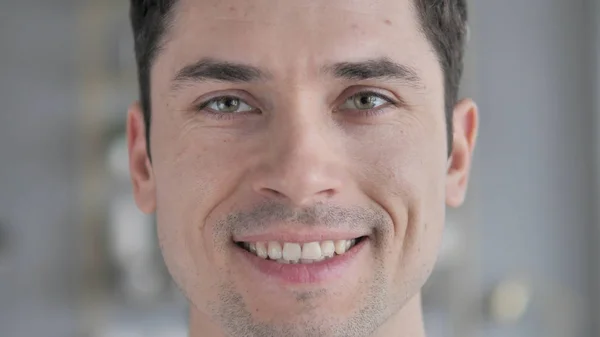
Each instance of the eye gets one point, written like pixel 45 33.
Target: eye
pixel 365 101
pixel 227 105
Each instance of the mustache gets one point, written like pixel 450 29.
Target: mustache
pixel 268 214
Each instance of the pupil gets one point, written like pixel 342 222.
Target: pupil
pixel 229 104
pixel 366 101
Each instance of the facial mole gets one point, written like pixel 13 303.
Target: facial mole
pixel 388 22
pixel 232 9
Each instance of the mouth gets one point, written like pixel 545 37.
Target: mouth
pixel 302 262
pixel 294 253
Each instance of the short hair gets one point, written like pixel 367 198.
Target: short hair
pixel 443 22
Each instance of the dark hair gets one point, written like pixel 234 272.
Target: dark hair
pixel 444 23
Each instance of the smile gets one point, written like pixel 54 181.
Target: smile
pixel 302 262
pixel 293 253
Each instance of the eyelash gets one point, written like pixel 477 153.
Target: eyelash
pixel 221 115
pixel 375 111
pixel 228 116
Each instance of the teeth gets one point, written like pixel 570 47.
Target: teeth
pixel 327 248
pixel 293 253
pixel 274 250
pixel 311 251
pixel 309 261
pixel 340 246
pixel 261 250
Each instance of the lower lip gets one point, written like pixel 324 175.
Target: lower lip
pixel 305 272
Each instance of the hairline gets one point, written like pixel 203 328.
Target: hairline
pixel 168 23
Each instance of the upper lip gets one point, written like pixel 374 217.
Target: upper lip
pixel 300 235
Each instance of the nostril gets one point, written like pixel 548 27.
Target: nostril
pixel 272 193
pixel 328 193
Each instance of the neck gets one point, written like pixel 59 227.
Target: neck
pixel 408 322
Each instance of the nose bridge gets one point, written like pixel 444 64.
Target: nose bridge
pixel 302 137
pixel 302 165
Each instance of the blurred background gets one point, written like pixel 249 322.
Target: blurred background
pixel 521 258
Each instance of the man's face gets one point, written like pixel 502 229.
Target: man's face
pixel 311 133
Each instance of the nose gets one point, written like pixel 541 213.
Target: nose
pixel 303 165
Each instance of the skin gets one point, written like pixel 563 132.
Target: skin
pixel 306 157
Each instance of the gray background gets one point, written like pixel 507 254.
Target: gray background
pixel 532 68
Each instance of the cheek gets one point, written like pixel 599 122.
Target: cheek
pixel 180 229
pixel 406 176
pixel 193 173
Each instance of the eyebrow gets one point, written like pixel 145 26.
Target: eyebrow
pixel 209 69
pixel 381 68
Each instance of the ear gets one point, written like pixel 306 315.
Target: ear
pixel 465 123
pixel 140 167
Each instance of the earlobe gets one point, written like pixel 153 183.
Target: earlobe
pixel 140 168
pixel 465 126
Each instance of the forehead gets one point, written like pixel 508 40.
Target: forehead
pixel 295 38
